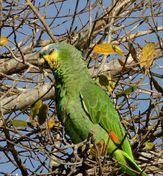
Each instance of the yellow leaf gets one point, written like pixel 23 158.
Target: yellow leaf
pixel 111 86
pixel 107 48
pixel 118 50
pixel 51 123
pixel 35 109
pixel 149 145
pixel 38 104
pixel 3 41
pixel 19 123
pixel 147 55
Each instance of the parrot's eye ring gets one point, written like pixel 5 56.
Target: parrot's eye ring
pixel 51 52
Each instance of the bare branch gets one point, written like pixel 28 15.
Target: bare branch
pixel 26 98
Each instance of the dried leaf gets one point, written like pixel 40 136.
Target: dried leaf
pixel 3 41
pixel 133 52
pixel 42 115
pixel 19 123
pixel 121 62
pixel 98 149
pixel 156 85
pixel 147 55
pixel 101 147
pixel 107 48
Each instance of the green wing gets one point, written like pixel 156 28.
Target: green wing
pixel 102 111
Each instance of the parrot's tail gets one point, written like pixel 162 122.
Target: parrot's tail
pixel 127 164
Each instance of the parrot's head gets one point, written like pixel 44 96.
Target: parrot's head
pixel 59 53
pixel 49 55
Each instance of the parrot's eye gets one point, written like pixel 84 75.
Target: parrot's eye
pixel 51 51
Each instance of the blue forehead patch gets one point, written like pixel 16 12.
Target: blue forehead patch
pixel 50 48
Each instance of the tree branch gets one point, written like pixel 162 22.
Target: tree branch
pixel 46 26
pixel 14 152
pixel 12 66
pixel 26 98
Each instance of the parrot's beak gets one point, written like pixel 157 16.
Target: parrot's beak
pixel 51 59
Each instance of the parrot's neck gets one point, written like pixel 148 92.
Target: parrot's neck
pixel 72 79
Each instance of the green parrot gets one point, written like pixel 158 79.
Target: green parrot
pixel 84 108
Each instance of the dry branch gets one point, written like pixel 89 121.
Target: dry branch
pixel 26 98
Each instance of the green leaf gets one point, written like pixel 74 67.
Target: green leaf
pixel 128 91
pixel 106 81
pixel 103 80
pixel 19 123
